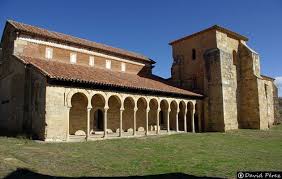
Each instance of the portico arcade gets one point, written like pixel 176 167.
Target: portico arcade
pixel 101 114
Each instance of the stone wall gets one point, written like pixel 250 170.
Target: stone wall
pixel 213 111
pixel 56 113
pixel 256 94
pixel 12 85
pixel 22 92
pixel 229 91
pixel 35 100
pixel 191 74
pixel 22 99
pixel 249 113
pixel 229 76
pixel 271 99
pixel 230 73
pixel 187 72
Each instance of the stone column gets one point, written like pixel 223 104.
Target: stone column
pixel 147 121
pixel 88 123
pixel 176 120
pixel 185 120
pixel 68 123
pixel 120 122
pixel 168 111
pixel 134 121
pixel 105 121
pixel 192 120
pixel 158 121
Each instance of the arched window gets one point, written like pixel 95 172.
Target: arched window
pixel 193 54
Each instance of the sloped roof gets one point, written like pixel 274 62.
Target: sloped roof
pixel 86 74
pixel 219 28
pixel 40 32
pixel 267 77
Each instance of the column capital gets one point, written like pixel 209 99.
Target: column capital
pixel 135 109
pixel 106 108
pixel 159 109
pixel 121 109
pixel 89 108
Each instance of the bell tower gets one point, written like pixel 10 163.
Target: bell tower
pixel 204 62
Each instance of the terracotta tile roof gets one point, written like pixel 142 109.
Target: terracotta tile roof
pixel 40 32
pixel 216 27
pixel 84 74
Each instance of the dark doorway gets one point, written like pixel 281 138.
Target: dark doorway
pixel 196 122
pixel 162 118
pixel 98 118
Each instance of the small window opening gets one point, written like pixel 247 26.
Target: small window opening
pixel 49 53
pixel 123 67
pixel 193 54
pixel 73 58
pixel 265 88
pixel 234 57
pixel 108 64
pixel 91 61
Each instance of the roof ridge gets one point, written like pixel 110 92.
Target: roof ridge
pixel 104 47
pixel 217 27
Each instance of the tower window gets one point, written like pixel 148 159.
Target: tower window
pixel 91 61
pixel 49 53
pixel 73 58
pixel 193 54
pixel 234 57
pixel 265 89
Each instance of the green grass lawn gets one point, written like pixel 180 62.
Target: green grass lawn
pixel 202 154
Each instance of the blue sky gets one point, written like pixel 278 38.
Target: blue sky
pixel 146 26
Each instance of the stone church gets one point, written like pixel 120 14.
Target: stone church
pixel 56 87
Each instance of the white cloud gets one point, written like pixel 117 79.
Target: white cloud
pixel 278 82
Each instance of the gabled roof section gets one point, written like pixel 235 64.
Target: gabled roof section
pixel 267 78
pixel 75 73
pixel 63 38
pixel 215 27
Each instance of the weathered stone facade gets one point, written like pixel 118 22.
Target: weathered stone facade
pixel 45 107
pixel 227 72
pixel 51 95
